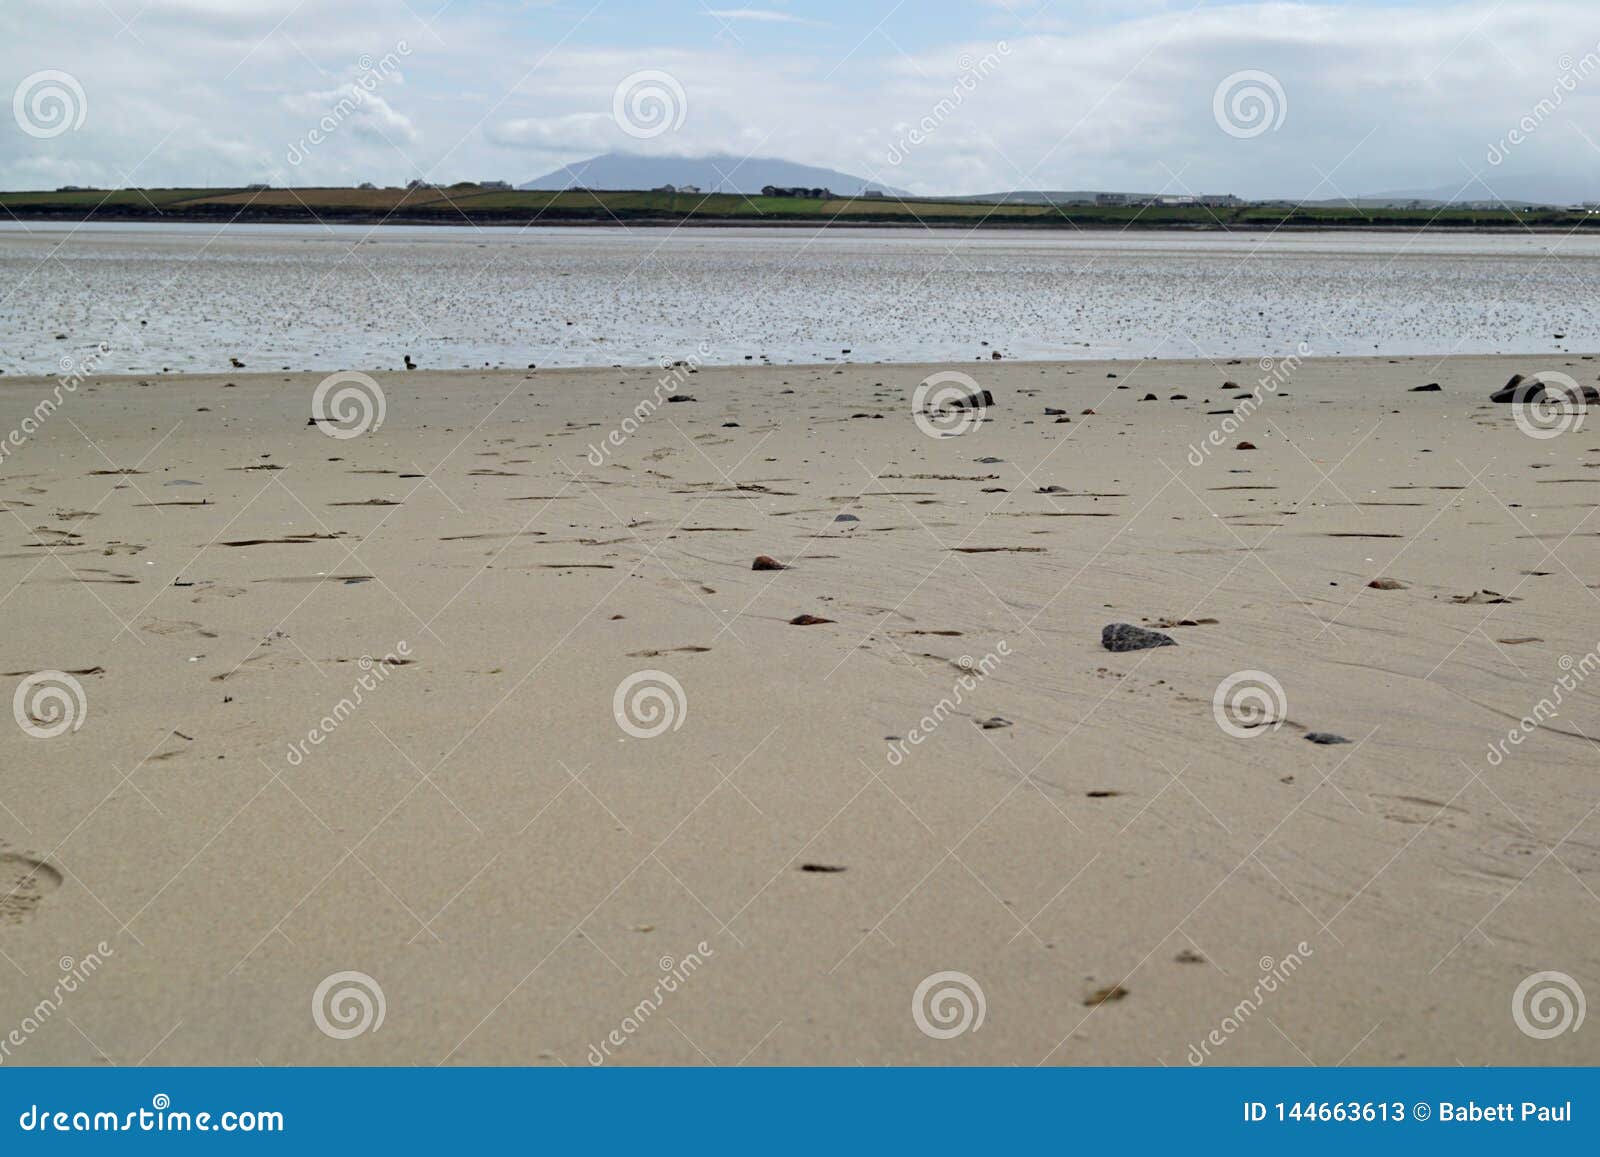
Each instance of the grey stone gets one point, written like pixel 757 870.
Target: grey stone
pixel 1127 637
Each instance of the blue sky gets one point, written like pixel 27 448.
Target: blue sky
pixel 837 26
pixel 954 96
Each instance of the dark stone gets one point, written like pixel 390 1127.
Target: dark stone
pixel 1325 737
pixel 1053 412
pixel 1127 637
pixel 977 401
pixel 1519 389
pixel 1245 446
pixel 993 723
pixel 681 398
pixel 767 562
pixel 1525 390
pixel 1430 388
pixel 846 518
pixel 807 621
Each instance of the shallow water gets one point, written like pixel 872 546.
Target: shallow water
pixel 189 297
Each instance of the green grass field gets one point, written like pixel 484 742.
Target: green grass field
pixel 471 204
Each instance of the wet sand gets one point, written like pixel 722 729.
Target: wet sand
pixel 186 297
pixel 946 774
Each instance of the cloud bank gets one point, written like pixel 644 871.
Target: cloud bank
pixel 1493 99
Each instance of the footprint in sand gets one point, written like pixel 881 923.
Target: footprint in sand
pixel 24 882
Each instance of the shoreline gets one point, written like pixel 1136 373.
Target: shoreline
pixel 977 368
pixel 928 223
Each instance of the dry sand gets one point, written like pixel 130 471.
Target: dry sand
pixel 481 837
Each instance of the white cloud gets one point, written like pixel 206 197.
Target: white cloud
pixel 352 108
pixel 580 133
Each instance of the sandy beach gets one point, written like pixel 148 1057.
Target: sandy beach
pixel 488 706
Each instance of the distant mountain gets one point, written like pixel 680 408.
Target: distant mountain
pixel 1512 193
pixel 1518 197
pixel 713 174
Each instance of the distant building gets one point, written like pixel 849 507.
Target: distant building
pixel 497 186
pixel 1167 200
pixel 875 194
